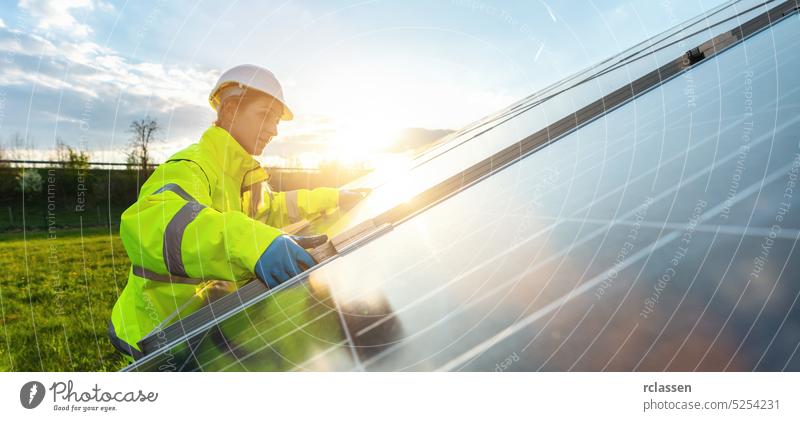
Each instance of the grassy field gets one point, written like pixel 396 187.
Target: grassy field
pixel 56 297
pixel 56 294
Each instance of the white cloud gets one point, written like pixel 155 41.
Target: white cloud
pixel 2 24
pixel 96 71
pixel 57 15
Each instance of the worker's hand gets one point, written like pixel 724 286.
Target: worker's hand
pixel 281 261
pixel 350 197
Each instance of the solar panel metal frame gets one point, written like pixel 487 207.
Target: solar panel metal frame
pixel 254 291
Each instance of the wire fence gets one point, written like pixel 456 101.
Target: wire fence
pixel 28 163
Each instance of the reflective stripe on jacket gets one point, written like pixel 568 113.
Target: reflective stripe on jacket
pixel 206 214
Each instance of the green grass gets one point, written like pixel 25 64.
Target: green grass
pixel 56 296
pixel 36 217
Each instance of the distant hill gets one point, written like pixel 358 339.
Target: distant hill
pixel 416 139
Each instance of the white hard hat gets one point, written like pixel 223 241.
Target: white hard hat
pixel 252 77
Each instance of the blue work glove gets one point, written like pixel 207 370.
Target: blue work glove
pixel 351 197
pixel 283 260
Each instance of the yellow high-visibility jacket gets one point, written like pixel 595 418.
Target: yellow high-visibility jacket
pixel 205 214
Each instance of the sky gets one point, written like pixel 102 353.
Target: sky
pixel 360 76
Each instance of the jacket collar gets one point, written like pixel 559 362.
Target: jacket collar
pixel 233 158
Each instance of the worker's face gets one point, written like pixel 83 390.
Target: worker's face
pixel 253 122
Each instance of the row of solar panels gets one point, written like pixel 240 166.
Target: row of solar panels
pixel 641 215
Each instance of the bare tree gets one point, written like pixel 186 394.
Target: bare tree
pixel 69 157
pixel 3 155
pixel 61 153
pixel 144 133
pixel 19 148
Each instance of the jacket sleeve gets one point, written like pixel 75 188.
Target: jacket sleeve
pixel 172 230
pixel 284 208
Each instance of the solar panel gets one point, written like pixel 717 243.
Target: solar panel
pixel 645 239
pixel 508 127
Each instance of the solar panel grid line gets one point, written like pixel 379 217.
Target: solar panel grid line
pixel 791 357
pixel 678 229
pixel 186 324
pixel 605 236
pixel 220 340
pixel 685 294
pixel 515 152
pixel 191 348
pixel 561 345
pixel 268 330
pixel 585 286
pixel 601 277
pixel 241 356
pixel 787 234
pixel 727 269
pixel 468 305
pixel 675 311
pixel 625 61
pixel 783 15
pixel 508 117
pixel 724 36
pixel 494 290
pixel 217 311
pixel 621 345
pixel 563 126
pixel 257 350
pixel 288 320
pixel 273 327
pixel 628 214
pixel 623 140
pixel 631 289
pixel 320 355
pixel 491 164
pixel 676 156
pixel 763 306
pixel 276 340
pixel 785 316
pixel 616 310
pixel 694 326
pixel 457 183
pixel 352 345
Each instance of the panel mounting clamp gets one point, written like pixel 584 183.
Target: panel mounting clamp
pixel 693 56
